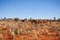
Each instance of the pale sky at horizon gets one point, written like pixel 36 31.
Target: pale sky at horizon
pixel 30 8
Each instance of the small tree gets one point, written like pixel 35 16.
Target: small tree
pixel 16 19
pixel 54 18
pixel 58 19
pixel 4 18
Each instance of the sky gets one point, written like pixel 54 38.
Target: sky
pixel 39 9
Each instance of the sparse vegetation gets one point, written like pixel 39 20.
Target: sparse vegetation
pixel 29 29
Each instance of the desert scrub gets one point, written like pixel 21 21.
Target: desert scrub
pixel 12 30
pixel 35 35
pixel 24 32
pixel 16 31
pixel 10 37
pixel 53 29
pixel 45 33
